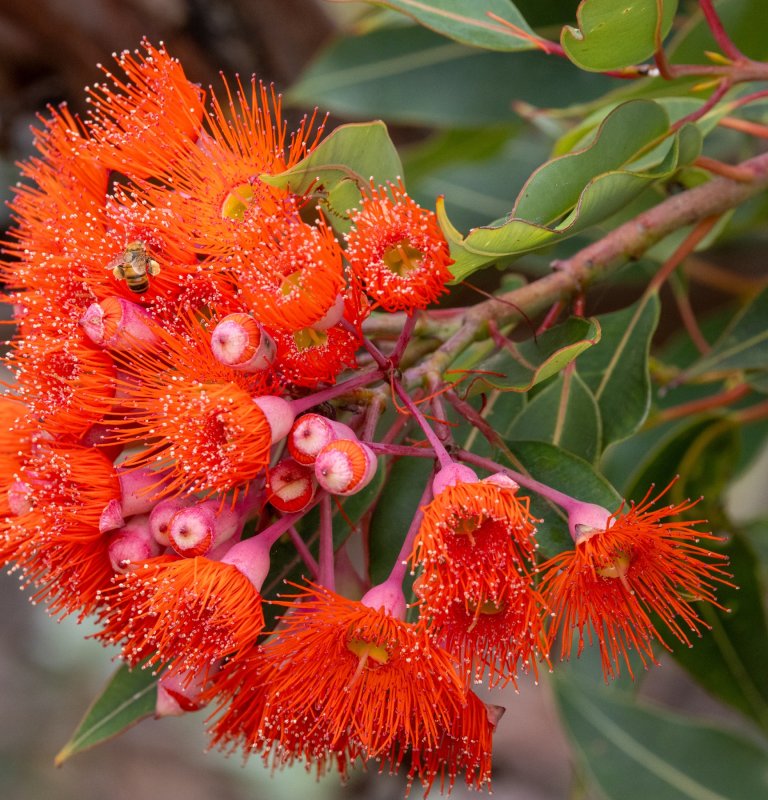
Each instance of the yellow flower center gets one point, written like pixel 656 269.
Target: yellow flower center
pixel 403 259
pixel 236 202
pixel 617 568
pixel 309 337
pixel 368 650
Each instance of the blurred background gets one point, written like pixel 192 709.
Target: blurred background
pixel 48 671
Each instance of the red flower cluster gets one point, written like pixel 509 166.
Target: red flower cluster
pixel 177 314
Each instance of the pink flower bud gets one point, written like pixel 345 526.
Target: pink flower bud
pixel 345 466
pixel 195 530
pixel 251 557
pixel 140 490
pixel 503 480
pixel 279 414
pixel 387 597
pixel 587 519
pixel 451 475
pixel 332 316
pixel 311 432
pixel 99 435
pixel 18 498
pixel 242 343
pixel 161 515
pixel 118 324
pixel 111 517
pixel 132 544
pixel 192 530
pixel 290 486
pixel 181 693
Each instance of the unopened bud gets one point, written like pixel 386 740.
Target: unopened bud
pixel 196 530
pixel 118 324
pixel 291 486
pixel 451 475
pixel 161 515
pixel 345 466
pixel 132 544
pixel 242 343
pixel 279 414
pixel 311 433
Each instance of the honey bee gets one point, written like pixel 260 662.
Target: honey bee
pixel 134 265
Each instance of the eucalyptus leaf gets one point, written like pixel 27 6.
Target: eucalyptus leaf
pixel 616 370
pixel 357 152
pixel 613 35
pixel 467 21
pixel 567 473
pixel 743 345
pixel 129 697
pixel 730 659
pixel 574 191
pixel 396 74
pixel 518 366
pixel 634 751
pixel 564 413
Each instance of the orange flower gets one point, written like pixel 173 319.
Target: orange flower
pixel 398 251
pixel 141 124
pixel 385 690
pixel 476 590
pixel 639 565
pixel 196 415
pixel 186 613
pixel 67 383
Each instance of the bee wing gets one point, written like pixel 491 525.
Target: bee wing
pixel 153 268
pixel 117 263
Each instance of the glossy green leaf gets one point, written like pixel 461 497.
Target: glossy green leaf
pixel 394 512
pixel 356 152
pixel 128 698
pixel 634 751
pixel 743 345
pixel 730 660
pixel 572 192
pixel 617 369
pixel 568 473
pixel 467 21
pixel 613 35
pixel 564 413
pixel 412 75
pixel 518 366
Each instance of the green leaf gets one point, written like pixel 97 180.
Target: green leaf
pixel 467 21
pixel 743 345
pixel 395 73
pixel 128 698
pixel 567 473
pixel 570 193
pixel 518 366
pixel 634 751
pixel 614 35
pixel 356 152
pixel 617 369
pixel 730 660
pixel 564 413
pixel 394 512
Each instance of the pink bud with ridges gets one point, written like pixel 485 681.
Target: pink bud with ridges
pixel 132 544
pixel 161 515
pixel 118 324
pixel 345 466
pixel 240 342
pixel 311 432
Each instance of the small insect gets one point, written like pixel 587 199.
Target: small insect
pixel 134 266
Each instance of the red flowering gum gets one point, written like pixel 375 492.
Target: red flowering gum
pixel 141 122
pixel 641 564
pixel 398 251
pixel 385 690
pixel 187 613
pixel 475 548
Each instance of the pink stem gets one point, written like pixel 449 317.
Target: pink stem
pixel 303 551
pixel 718 31
pixel 403 340
pixel 442 454
pixel 325 574
pixel 565 501
pixel 362 379
pixel 398 571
